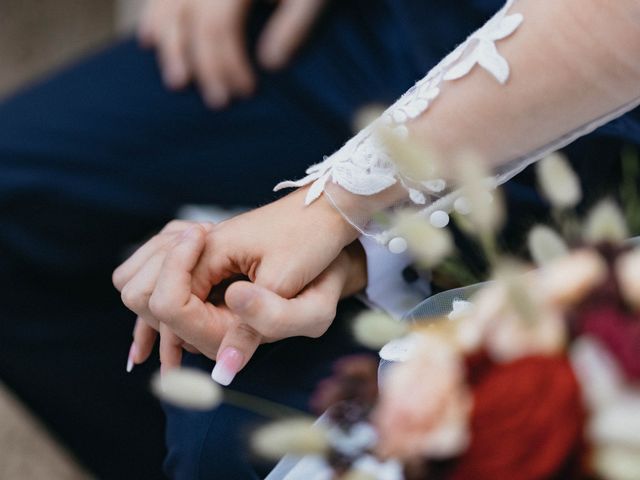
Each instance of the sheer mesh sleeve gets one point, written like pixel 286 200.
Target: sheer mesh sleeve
pixel 535 77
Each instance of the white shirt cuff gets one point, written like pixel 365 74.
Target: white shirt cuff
pixel 389 288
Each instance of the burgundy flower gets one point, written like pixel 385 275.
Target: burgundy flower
pixel 527 420
pixel 617 329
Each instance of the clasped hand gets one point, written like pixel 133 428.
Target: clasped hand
pixel 299 261
pixel 205 41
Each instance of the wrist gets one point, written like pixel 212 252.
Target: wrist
pixel 328 218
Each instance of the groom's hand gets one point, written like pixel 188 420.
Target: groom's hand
pixel 158 283
pixel 205 41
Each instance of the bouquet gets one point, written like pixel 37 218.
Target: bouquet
pixel 534 374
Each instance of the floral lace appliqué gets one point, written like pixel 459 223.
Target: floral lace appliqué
pixel 363 166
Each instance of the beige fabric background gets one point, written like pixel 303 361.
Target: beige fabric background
pixel 37 36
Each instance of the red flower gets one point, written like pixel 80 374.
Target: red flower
pixel 617 330
pixel 526 422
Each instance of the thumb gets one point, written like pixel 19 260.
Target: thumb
pixel 272 315
pixel 241 340
pixel 254 305
pixel 286 30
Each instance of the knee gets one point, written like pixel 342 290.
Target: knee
pixel 208 445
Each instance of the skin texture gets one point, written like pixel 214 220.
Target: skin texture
pixel 168 281
pixel 204 41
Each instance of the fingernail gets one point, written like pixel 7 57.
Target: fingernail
pixel 227 366
pixel 133 352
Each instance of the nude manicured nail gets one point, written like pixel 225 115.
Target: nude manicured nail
pixel 227 366
pixel 133 351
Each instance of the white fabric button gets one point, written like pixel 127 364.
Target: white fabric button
pixel 439 219
pixel 461 205
pixel 397 245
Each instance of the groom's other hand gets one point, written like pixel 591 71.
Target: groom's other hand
pixel 264 316
pixel 205 41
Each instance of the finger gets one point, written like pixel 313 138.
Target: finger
pixel 215 268
pixel 149 22
pixel 173 53
pixel 207 63
pixel 261 313
pixel 144 338
pixel 286 30
pixel 170 350
pixel 128 268
pixel 173 286
pixel 190 348
pixel 125 272
pixel 157 17
pixel 236 349
pixel 174 304
pixel 237 70
pixel 138 290
pixel 309 314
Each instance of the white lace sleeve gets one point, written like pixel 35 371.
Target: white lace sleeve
pixel 363 167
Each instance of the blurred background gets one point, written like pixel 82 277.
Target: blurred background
pixel 36 37
pixel 39 35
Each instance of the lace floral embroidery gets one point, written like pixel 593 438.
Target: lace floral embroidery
pixel 363 166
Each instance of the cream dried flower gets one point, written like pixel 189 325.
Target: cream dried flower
pixel 358 475
pixel 460 309
pixel 617 463
pixel 628 273
pixel 512 318
pixel 478 188
pixel 617 422
pixel 298 436
pixel 511 337
pixel 367 115
pixel 605 223
pixel 374 329
pixel 546 245
pixel 568 280
pixel 368 467
pixel 187 388
pixel 488 304
pixel 558 182
pixel 417 162
pixel 428 244
pixel 597 371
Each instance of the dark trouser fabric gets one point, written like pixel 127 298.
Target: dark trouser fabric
pixel 100 155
